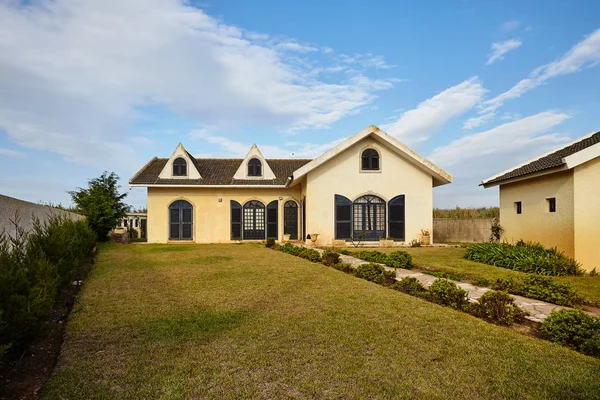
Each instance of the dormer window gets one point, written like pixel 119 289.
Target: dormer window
pixel 370 160
pixel 254 167
pixel 179 167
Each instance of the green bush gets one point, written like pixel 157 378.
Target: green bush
pixel 310 255
pixel 482 282
pixel 344 267
pixel 446 293
pixel 33 269
pixel 270 243
pixel 344 252
pixel 524 257
pixel 399 259
pixel 546 289
pixel 330 257
pixel 447 275
pixel 498 307
pixel 574 329
pixel 410 285
pixel 372 256
pixel 291 249
pixel 374 273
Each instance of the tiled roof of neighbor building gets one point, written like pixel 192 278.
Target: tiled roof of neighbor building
pixel 549 161
pixel 217 171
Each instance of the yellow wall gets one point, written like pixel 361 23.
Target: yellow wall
pixel 342 175
pixel 536 223
pixel 211 218
pixel 587 214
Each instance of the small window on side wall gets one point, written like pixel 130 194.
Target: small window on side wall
pixel 254 167
pixel 551 204
pixel 179 167
pixel 370 160
pixel 518 207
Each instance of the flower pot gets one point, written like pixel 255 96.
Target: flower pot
pixel 425 240
pixel 386 242
pixel 313 238
pixel 286 237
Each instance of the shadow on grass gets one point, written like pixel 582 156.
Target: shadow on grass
pixel 203 326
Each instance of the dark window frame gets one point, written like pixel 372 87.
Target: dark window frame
pixel 180 206
pixel 369 211
pixel 236 208
pixel 180 167
pixel 290 208
pixel 519 207
pixel 370 160
pixel 551 204
pixel 256 210
pixel 272 226
pixel 254 167
pixel 342 201
pixel 394 224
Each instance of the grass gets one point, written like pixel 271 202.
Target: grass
pixel 450 260
pixel 243 321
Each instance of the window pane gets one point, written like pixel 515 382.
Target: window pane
pixel 187 215
pixel 342 230
pixel 187 231
pixel 174 214
pixel 375 163
pixel 343 213
pixel 174 231
pixel 236 231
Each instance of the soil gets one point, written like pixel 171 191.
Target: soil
pixel 25 372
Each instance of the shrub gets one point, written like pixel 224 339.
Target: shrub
pixel 291 249
pixel 415 243
pixel 344 252
pixel 310 255
pixel 374 273
pixel 446 293
pixel 447 275
pixel 574 329
pixel 410 286
pixel 498 307
pixel 372 256
pixel 483 212
pixel 482 282
pixel 524 257
pixel 33 268
pixel 330 257
pixel 399 259
pixel 344 267
pixel 270 243
pixel 508 285
pixel 546 289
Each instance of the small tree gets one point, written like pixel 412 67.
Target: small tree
pixel 101 203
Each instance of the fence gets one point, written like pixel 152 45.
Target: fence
pixel 462 229
pixel 26 211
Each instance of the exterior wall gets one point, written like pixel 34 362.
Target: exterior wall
pixel 462 229
pixel 587 214
pixel 211 217
pixel 536 223
pixel 342 175
pixel 27 212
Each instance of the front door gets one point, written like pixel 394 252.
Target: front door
pixel 254 220
pixel 369 218
pixel 180 220
pixel 290 219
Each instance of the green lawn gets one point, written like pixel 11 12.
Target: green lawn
pixel 451 260
pixel 243 321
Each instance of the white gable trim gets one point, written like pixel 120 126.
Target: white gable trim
pixel 582 156
pixel 242 171
pixel 485 181
pixel 180 152
pixel 440 177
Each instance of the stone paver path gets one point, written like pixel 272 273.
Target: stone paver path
pixel 538 309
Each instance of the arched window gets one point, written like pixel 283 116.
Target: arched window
pixel 179 167
pixel 396 218
pixel 272 220
pixel 236 220
pixel 254 220
pixel 290 219
pixel 254 167
pixel 180 220
pixel 343 217
pixel 368 218
pixel 370 160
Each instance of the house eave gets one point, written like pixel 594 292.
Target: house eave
pixel 207 186
pixel 534 175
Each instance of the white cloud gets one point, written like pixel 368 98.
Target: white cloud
pixel 417 124
pixel 509 26
pixel 499 49
pixel 233 148
pixel 76 75
pixel 584 54
pixel 11 153
pixel 481 155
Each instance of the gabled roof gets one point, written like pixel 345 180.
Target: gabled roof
pixel 216 172
pixel 563 158
pixel 242 171
pixel 440 177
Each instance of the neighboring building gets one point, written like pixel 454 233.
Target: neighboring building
pixel 553 200
pixel 136 221
pixel 370 186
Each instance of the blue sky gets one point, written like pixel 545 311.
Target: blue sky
pixel 475 86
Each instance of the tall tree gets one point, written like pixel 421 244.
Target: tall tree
pixel 101 203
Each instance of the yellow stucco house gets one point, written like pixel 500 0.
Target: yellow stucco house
pixel 368 187
pixel 554 199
